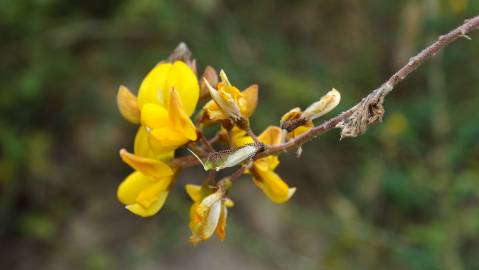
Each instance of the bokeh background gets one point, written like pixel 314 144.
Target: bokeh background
pixel 403 196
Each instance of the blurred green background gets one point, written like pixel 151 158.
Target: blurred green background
pixel 403 196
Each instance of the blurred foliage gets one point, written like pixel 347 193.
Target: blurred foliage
pixel 404 196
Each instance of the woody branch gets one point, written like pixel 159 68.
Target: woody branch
pixel 355 121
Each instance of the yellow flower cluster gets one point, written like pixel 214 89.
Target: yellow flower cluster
pixel 166 99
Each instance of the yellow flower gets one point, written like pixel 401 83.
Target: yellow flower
pixel 167 97
pixel 169 127
pixel 144 191
pixel 156 86
pixel 207 214
pixel 263 169
pixel 228 102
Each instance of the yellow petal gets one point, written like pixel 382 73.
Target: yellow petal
pixel 226 97
pixel 153 87
pixel 166 139
pixel 239 137
pixel 272 185
pixel 150 194
pixel 154 116
pixel 271 136
pixel 194 191
pixel 250 96
pixel 214 112
pixel 144 148
pixel 149 167
pixel 183 79
pixel 150 211
pixel 132 186
pixel 268 163
pixel 300 130
pixel 180 121
pixel 128 105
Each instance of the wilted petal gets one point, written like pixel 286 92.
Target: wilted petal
pixel 293 114
pixel 323 106
pixel 211 221
pixel 209 75
pixel 225 101
pixel 221 227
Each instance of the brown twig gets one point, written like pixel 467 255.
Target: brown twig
pixel 205 141
pixel 369 110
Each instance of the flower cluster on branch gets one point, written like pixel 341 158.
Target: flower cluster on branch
pixel 169 95
pixel 166 100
